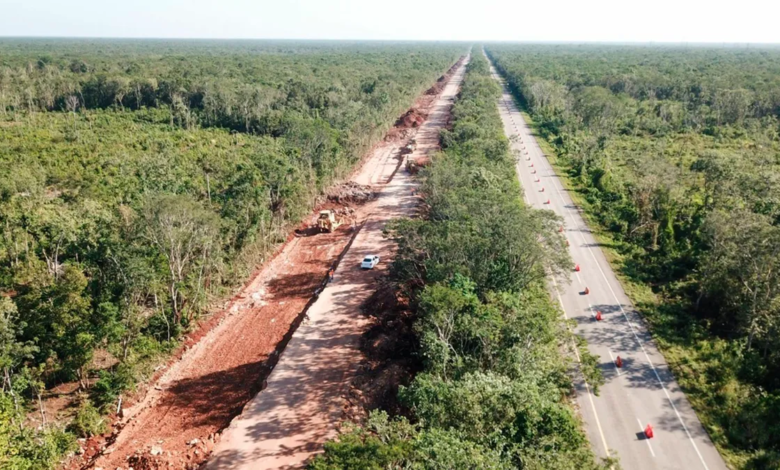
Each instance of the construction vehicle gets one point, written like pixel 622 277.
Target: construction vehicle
pixel 327 221
pixel 409 148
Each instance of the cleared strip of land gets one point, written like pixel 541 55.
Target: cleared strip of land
pixel 290 420
pixel 180 419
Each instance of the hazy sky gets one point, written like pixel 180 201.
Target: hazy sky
pixel 512 20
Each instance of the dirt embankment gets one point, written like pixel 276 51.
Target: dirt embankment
pixel 226 361
pixel 389 361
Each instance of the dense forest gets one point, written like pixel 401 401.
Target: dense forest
pixel 676 155
pixel 141 180
pixel 493 386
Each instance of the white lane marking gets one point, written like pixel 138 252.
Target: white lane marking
pixel 587 387
pixel 634 333
pixel 577 354
pixel 646 438
pixel 617 369
pixel 625 316
pixel 590 306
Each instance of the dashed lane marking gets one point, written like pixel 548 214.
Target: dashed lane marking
pixel 625 316
pixel 587 387
pixel 646 439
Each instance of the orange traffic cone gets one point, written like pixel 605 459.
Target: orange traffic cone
pixel 537 180
pixel 548 201
pixel 542 190
pixel 577 267
pixel 598 315
pixel 586 291
pixel 649 432
pixel 619 362
pixel 533 172
pixel 532 165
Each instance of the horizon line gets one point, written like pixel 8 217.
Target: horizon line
pixel 529 41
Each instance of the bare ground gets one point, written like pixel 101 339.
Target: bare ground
pixel 229 358
pixel 289 421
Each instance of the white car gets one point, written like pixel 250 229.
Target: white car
pixel 369 262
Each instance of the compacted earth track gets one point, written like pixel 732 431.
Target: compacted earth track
pixel 643 390
pixel 278 314
pixel 285 424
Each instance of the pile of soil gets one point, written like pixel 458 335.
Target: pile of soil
pixel 442 81
pixel 157 458
pixel 351 192
pixel 438 87
pixel 412 118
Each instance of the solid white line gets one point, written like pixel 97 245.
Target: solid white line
pixel 646 438
pixel 576 352
pixel 625 316
pixel 587 387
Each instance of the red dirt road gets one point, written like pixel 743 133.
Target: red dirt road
pixel 178 421
pixel 200 394
pixel 288 422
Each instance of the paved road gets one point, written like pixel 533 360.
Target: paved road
pixel 289 421
pixel 643 391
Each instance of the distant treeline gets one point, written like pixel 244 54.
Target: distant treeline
pixel 251 87
pixel 677 154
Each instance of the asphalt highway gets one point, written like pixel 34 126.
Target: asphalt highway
pixel 643 391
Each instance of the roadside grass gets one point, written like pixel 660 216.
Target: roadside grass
pixel 693 355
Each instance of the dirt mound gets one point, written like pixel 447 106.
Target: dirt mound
pixel 442 81
pixel 351 192
pixel 411 118
pixel 158 458
pixel 437 87
pixel 414 165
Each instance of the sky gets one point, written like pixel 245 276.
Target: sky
pixel 718 21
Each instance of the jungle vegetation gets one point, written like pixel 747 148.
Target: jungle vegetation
pixel 494 386
pixel 675 154
pixel 141 180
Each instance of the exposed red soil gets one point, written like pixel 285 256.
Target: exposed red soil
pixel 204 394
pixel 404 128
pixel 226 360
pixel 411 118
pixel 388 346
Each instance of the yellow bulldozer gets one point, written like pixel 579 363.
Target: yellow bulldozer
pixel 327 221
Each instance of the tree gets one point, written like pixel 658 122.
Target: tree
pixel 743 269
pixel 187 237
pixel 13 352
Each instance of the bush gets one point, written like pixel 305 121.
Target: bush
pixel 88 421
pixel 23 448
pixel 111 384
